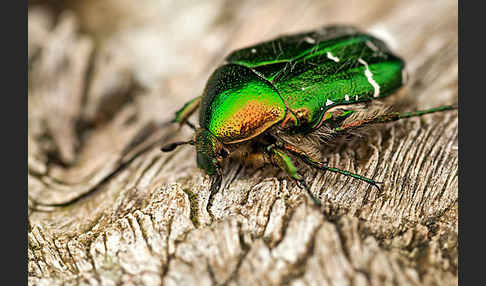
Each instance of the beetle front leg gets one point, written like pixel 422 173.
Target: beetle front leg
pixel 284 162
pixel 213 189
pixel 322 166
pixel 186 111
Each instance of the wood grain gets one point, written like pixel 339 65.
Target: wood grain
pixel 106 207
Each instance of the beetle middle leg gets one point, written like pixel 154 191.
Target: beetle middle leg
pixel 323 166
pixel 280 158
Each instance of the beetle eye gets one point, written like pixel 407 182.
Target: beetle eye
pixel 223 153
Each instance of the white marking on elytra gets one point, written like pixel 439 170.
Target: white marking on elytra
pixel 310 40
pixel 369 76
pixel 253 51
pixel 371 46
pixel 331 57
pixel 346 96
pixel 328 102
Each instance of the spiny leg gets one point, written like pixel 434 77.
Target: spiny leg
pixel 186 111
pixel 343 129
pixel 284 162
pixel 387 117
pixel 191 125
pixel 181 117
pixel 213 189
pixel 322 166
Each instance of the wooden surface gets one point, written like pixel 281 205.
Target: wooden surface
pixel 103 77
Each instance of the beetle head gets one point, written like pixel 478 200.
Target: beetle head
pixel 210 151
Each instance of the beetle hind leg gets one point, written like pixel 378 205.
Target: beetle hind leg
pixel 385 118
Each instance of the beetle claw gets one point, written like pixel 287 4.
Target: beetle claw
pixel 316 202
pixel 375 184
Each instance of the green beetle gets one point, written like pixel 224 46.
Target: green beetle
pixel 277 97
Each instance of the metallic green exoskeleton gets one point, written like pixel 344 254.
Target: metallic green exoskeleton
pixel 319 82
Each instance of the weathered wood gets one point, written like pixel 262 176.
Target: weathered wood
pixel 122 212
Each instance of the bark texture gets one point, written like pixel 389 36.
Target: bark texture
pixel 106 207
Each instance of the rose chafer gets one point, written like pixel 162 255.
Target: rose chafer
pixel 276 99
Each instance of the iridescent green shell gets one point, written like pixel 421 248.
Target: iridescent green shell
pixel 238 104
pixel 318 70
pixel 296 78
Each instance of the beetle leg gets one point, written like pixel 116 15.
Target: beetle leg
pixel 387 117
pixel 322 166
pixel 384 118
pixel 186 111
pixel 284 162
pixel 213 189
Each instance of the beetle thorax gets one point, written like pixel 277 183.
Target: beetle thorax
pixel 239 105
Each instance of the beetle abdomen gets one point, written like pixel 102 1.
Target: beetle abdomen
pixel 238 104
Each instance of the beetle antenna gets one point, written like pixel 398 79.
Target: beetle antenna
pixel 172 146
